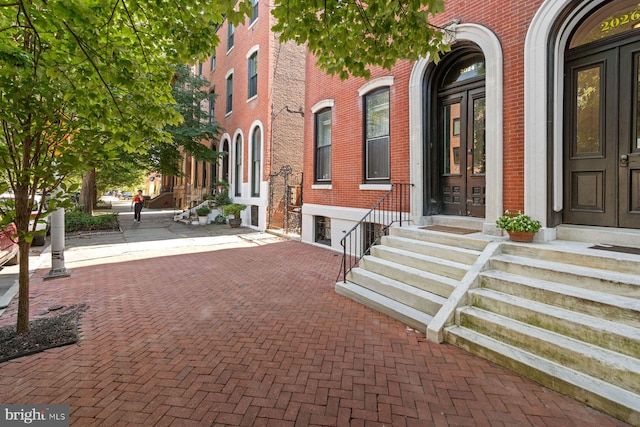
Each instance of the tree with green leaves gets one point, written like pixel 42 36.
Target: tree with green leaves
pixel 79 79
pixel 347 37
pixel 192 101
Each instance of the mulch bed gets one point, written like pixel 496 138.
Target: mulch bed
pixel 53 331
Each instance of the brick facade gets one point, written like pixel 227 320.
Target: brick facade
pixel 521 172
pixel 280 89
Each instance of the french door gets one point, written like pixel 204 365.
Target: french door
pixel 462 152
pixel 602 137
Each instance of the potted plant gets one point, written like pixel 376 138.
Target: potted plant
pixel 520 227
pixel 203 214
pixel 234 209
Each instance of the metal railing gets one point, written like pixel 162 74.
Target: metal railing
pixel 392 208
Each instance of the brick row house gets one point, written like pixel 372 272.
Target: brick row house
pixel 536 108
pixel 497 124
pixel 259 84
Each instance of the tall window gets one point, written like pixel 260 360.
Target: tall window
pixel 211 110
pixel 230 93
pixel 256 159
pixel 253 75
pixel 230 32
pixel 254 12
pixel 213 63
pixel 196 181
pixel 377 165
pixel 323 145
pixel 238 166
pixel 200 68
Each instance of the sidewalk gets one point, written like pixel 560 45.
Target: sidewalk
pixel 200 326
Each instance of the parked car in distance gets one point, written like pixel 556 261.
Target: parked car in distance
pixel 43 224
pixel 127 195
pixel 8 246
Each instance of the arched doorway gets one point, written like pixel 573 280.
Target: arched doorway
pixel 457 144
pixel 602 119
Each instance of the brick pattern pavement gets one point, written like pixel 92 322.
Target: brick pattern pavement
pixel 256 336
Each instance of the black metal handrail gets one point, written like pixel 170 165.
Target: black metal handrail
pixel 390 209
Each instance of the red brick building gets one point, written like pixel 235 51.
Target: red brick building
pixel 522 114
pixel 260 86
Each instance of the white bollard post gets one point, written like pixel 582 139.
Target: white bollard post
pixel 57 246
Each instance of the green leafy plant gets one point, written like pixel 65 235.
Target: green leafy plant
pixel 203 211
pixel 82 221
pixel 233 209
pixel 518 222
pixel 221 198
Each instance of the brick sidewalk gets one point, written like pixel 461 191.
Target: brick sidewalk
pixel 256 336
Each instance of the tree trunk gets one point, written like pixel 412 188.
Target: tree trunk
pixel 88 191
pixel 22 325
pixel 22 216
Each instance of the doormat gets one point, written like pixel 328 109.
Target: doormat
pixel 615 248
pixel 453 230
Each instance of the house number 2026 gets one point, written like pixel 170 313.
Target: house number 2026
pixel 623 19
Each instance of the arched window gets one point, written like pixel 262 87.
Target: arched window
pixel 237 176
pixel 256 160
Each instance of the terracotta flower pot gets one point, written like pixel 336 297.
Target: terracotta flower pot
pixel 521 236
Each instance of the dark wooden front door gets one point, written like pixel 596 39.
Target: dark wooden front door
pixel 602 137
pixel 462 152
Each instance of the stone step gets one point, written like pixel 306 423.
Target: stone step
pixel 598 304
pixel 403 313
pixel 439 266
pixel 584 277
pixel 577 255
pixel 410 296
pixel 448 252
pixel 421 234
pixel 606 365
pixel 439 285
pixel 599 394
pixel 607 334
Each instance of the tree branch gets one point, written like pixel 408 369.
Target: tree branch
pixel 95 67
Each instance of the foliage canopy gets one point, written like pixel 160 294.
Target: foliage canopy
pixel 348 36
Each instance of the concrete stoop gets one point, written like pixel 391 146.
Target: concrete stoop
pixel 564 315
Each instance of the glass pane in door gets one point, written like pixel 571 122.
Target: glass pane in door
pixel 479 146
pixel 588 111
pixel 637 104
pixel 451 139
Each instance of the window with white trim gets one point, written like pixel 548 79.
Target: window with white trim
pixel 376 144
pixel 238 167
pixel 253 75
pixel 323 146
pixel 229 93
pixel 256 160
pixel 230 33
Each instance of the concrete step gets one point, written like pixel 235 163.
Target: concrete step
pixel 610 282
pixel 403 313
pixel 437 250
pixel 606 365
pixel 598 304
pixel 456 240
pixel 442 267
pixel 436 284
pixel 603 333
pixel 410 296
pixel 597 393
pixel 577 255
